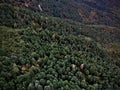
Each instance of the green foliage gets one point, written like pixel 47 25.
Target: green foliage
pixel 48 55
pixel 53 69
pixel 3 52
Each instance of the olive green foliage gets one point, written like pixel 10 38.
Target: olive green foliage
pixel 85 11
pixel 40 53
pixel 7 16
pixel 114 51
pixel 55 53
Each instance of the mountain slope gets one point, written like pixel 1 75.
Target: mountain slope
pixel 103 34
pixel 105 12
pixel 46 53
pixel 20 17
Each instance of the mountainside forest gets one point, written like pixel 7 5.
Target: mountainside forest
pixel 59 45
pixel 105 12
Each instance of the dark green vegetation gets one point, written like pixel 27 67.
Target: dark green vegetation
pixel 39 52
pixel 105 12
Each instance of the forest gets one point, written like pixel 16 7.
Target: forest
pixel 41 52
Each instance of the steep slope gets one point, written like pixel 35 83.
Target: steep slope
pixel 105 35
pixel 46 53
pixel 105 12
pixel 20 17
pixel 99 11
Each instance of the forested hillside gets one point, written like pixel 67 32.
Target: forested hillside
pixel 105 12
pixel 41 52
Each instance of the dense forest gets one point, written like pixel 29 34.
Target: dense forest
pixel 102 12
pixel 42 52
